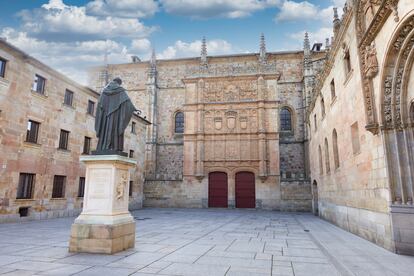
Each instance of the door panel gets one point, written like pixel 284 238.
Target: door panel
pixel 217 190
pixel 245 190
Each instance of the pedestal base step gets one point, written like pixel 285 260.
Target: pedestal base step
pixel 100 238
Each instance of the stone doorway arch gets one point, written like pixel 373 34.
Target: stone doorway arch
pixel 397 77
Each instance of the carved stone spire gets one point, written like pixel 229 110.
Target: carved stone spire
pixel 153 67
pixel 203 61
pixel 153 60
pixel 336 21
pixel 262 56
pixel 306 44
pixel 327 44
pixel 105 71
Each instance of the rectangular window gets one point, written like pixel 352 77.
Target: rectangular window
pixel 87 145
pixel 315 123
pixel 356 147
pixel 26 185
pixel 131 183
pixel 68 98
pixel 131 154
pixel 39 84
pixel 333 92
pixel 133 127
pixel 64 139
pixel 91 108
pixel 32 131
pixel 81 190
pixel 58 186
pixel 2 67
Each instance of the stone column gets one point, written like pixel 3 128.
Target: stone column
pixel 262 128
pixel 105 224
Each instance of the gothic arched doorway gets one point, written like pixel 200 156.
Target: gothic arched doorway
pixel 315 206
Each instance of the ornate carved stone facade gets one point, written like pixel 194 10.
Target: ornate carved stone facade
pixel 370 192
pixel 231 110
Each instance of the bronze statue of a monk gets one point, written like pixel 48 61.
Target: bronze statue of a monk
pixel 113 114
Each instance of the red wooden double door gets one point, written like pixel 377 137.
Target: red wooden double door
pixel 218 190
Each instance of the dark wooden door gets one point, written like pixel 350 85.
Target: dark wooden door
pixel 245 190
pixel 217 190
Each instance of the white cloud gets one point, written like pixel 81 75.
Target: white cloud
pixel 58 21
pixel 141 45
pixel 339 3
pixel 325 16
pixel 122 8
pixel 70 58
pixel 54 4
pixel 291 11
pixel 319 35
pixel 216 8
pixel 193 49
pixel 299 11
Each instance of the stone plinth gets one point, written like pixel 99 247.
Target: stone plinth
pixel 105 224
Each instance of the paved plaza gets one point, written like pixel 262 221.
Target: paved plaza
pixel 203 242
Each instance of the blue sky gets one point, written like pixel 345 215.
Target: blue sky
pixel 71 35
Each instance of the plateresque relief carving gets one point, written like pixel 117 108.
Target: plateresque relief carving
pixel 121 186
pixel 395 81
pixel 230 91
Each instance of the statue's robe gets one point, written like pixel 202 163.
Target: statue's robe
pixel 113 114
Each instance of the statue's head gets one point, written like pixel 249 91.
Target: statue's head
pixel 118 80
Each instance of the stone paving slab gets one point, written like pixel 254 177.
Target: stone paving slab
pixel 203 242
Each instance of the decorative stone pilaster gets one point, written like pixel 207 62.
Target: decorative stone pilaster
pixel 105 224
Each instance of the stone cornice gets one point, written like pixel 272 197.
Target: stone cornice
pixel 266 76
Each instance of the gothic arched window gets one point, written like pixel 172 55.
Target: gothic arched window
pixel 320 161
pixel 179 122
pixel 412 112
pixel 285 119
pixel 335 148
pixel 323 107
pixel 328 167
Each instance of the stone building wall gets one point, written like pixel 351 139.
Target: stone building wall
pixel 167 186
pixel 18 104
pixel 362 194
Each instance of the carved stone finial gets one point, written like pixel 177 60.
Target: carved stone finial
pixel 327 44
pixel 203 53
pixel 105 73
pixel 262 57
pixel 306 44
pixel 336 17
pixel 393 6
pixel 153 67
pixel 153 60
pixel 336 21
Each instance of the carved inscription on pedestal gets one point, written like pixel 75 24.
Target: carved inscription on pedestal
pixel 100 187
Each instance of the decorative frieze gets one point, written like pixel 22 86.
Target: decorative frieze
pixel 230 91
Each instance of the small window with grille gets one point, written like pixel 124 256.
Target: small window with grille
pixel 179 122
pixel 59 186
pixel 26 185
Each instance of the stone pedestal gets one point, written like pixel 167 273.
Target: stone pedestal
pixel 105 224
